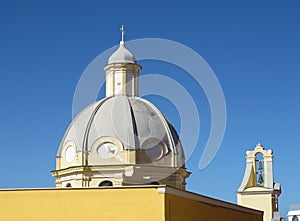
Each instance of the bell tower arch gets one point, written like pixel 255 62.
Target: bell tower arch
pixel 258 189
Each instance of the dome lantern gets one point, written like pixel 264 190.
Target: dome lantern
pixel 122 71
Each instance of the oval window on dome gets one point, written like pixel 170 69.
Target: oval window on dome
pixel 107 150
pixel 70 153
pixel 154 150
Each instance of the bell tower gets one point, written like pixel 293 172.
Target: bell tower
pixel 258 189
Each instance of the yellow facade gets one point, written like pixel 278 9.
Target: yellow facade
pixel 117 203
pixel 180 208
pixel 260 200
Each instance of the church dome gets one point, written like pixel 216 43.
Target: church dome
pixel 122 55
pixel 122 139
pixel 131 124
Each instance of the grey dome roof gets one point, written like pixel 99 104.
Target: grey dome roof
pixel 131 120
pixel 122 55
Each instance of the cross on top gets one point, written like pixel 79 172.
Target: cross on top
pixel 122 29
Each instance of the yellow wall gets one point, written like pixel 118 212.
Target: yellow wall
pixel 140 203
pixel 82 204
pixel 179 209
pixel 258 201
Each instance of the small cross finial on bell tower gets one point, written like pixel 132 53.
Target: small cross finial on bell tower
pixel 122 29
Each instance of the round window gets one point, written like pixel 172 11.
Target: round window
pixel 154 152
pixel 107 150
pixel 70 153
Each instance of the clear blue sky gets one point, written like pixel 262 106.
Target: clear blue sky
pixel 253 48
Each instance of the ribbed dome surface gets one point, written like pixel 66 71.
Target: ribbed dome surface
pixel 121 55
pixel 122 139
pixel 132 120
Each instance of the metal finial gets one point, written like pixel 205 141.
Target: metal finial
pixel 122 29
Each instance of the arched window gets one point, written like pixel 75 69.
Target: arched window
pixel 295 218
pixel 68 185
pixel 154 183
pixel 259 168
pixel 106 183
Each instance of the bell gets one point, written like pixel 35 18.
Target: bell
pixel 260 179
pixel 260 167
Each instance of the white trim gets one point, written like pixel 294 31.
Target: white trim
pixel 161 190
